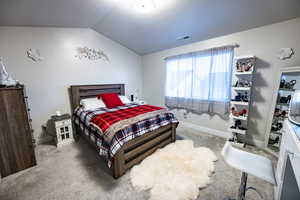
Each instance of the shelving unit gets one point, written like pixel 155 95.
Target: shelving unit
pixel 238 117
pixel 275 135
pixel 241 76
pixel 283 104
pixel 285 89
pixel 243 57
pixel 276 132
pixel 238 131
pixel 240 103
pixel 242 73
pixel 241 88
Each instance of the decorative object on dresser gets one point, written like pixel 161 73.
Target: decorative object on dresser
pixel 62 130
pixel 241 91
pixel 16 139
pixel 5 78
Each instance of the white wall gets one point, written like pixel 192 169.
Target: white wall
pixel 263 42
pixel 47 81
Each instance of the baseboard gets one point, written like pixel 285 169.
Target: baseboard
pixel 257 143
pixel 223 134
pixel 44 139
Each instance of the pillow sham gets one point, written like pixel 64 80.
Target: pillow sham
pixel 92 103
pixel 111 100
pixel 124 99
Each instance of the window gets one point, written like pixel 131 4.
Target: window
pixel 200 77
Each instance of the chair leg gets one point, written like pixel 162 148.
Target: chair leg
pixel 243 187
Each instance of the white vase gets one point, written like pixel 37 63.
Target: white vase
pixel 5 78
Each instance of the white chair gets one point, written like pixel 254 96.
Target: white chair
pixel 248 163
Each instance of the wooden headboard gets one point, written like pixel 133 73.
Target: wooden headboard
pixel 78 92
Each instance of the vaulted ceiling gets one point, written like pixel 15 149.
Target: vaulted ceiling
pixel 155 30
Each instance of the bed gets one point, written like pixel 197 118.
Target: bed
pixel 133 150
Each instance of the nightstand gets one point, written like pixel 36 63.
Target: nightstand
pixel 62 129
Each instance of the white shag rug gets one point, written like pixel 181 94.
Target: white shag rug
pixel 175 172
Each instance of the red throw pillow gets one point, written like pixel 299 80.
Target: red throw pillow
pixel 111 100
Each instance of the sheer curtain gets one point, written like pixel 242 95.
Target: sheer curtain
pixel 200 82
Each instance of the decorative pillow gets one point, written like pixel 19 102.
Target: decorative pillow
pixel 92 103
pixel 124 99
pixel 111 100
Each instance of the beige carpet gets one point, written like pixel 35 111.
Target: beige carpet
pixel 76 172
pixel 175 172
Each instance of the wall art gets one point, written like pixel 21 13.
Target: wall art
pixel 285 53
pixel 34 54
pixel 91 54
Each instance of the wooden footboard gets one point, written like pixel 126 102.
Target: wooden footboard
pixel 139 148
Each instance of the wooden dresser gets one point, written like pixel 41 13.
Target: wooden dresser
pixel 16 141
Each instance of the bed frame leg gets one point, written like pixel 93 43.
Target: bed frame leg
pixel 77 132
pixel 174 126
pixel 119 164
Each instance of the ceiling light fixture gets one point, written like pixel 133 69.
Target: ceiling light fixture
pixel 144 6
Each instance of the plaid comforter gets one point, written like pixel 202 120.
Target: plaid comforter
pixel 109 149
pixel 109 123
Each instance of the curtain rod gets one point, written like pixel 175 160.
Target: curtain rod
pixel 233 45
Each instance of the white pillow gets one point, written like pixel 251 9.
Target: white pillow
pixel 92 103
pixel 124 99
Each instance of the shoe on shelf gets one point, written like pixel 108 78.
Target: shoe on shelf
pixel 243 112
pixel 238 97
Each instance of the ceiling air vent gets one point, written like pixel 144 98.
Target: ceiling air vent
pixel 185 37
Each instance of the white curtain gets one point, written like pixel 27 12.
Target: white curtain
pixel 200 82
